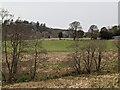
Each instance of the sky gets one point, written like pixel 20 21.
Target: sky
pixel 61 14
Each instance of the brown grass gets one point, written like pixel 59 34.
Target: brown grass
pixel 93 81
pixel 52 72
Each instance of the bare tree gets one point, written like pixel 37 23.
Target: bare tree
pixel 75 26
pixel 35 59
pixel 92 54
pixel 83 56
pixel 38 49
pixel 4 14
pixel 75 57
pixel 16 43
pixel 87 57
pixel 88 51
pixel 101 47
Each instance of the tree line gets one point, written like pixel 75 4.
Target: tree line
pixel 74 30
pixel 93 31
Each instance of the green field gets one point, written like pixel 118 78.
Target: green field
pixel 60 45
pixel 63 45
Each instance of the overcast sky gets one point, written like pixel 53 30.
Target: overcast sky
pixel 60 14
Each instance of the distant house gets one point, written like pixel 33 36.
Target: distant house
pixel 116 37
pixel 65 33
pixel 54 32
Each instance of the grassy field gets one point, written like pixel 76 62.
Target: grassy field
pixel 54 71
pixel 61 45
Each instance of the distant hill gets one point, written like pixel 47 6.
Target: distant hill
pixel 27 30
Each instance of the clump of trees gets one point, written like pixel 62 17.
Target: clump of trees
pixel 103 33
pixel 17 45
pixel 15 41
pixel 109 33
pixel 87 58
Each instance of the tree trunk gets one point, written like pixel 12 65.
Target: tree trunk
pixel 75 35
pixel 6 54
pixel 3 77
pixel 35 62
pixel 99 62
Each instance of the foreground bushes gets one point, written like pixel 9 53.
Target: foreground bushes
pixel 87 58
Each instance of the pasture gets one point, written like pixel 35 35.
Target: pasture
pixel 54 45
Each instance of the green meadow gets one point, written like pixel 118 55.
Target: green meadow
pixel 58 45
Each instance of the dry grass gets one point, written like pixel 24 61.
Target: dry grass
pixel 52 72
pixel 93 81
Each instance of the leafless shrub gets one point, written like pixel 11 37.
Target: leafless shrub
pixel 101 47
pixel 88 56
pixel 16 56
pixel 38 50
pixel 75 57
